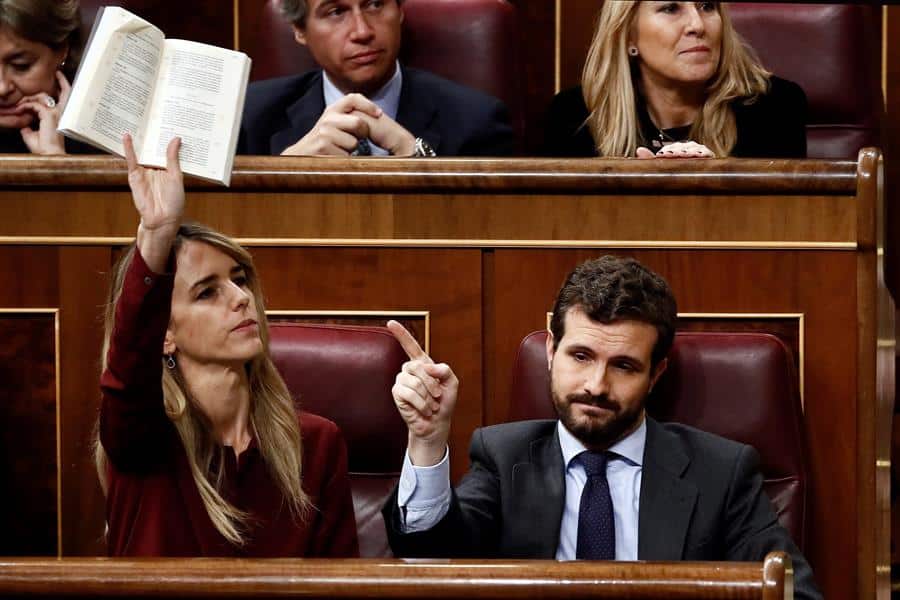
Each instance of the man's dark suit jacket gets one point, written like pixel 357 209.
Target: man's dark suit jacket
pixel 701 499
pixel 455 120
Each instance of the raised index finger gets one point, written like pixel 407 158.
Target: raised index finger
pixel 408 342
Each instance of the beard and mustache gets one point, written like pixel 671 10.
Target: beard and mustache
pixel 593 432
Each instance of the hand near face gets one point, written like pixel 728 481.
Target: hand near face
pixel 159 199
pixel 678 150
pixel 46 140
pixel 339 129
pixel 425 394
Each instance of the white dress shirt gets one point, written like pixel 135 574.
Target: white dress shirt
pixel 424 492
pixel 387 98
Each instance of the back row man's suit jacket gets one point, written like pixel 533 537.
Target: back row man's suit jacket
pixel 454 119
pixel 701 499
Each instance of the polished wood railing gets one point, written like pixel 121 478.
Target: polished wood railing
pixel 349 579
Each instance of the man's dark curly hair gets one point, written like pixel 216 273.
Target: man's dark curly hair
pixel 610 289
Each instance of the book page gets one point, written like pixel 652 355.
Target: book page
pixel 199 97
pixel 114 85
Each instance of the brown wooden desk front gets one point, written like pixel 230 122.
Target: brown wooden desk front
pixel 471 253
pixel 393 579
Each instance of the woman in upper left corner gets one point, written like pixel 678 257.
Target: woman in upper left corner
pixel 40 46
pixel 674 79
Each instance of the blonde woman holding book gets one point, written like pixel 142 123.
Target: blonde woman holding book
pixel 201 451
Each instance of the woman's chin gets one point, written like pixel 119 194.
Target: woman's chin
pixel 15 121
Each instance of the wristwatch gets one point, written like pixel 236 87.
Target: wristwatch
pixel 423 149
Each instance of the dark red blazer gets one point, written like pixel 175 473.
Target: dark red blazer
pixel 153 507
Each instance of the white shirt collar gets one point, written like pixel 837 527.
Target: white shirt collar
pixel 387 98
pixel 630 447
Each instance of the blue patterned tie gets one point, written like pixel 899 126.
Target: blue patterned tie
pixel 596 525
pixel 363 148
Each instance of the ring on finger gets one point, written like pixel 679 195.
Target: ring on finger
pixel 50 102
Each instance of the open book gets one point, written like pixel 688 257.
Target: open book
pixel 133 79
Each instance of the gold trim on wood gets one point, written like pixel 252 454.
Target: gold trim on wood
pixel 237 20
pixel 884 55
pixel 450 243
pixel 426 315
pixel 458 243
pixel 56 367
pixel 725 315
pixel 67 240
pixel 557 47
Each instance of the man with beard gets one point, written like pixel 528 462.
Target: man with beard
pixel 605 481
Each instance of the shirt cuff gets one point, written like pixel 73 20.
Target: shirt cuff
pixel 424 494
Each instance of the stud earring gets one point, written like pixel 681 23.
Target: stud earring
pixel 632 51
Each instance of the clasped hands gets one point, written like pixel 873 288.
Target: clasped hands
pixel 677 150
pixel 352 118
pixel 425 394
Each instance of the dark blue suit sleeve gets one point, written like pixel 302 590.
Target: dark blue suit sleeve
pixel 493 136
pixel 752 528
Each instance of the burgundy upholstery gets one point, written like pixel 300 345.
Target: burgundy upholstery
pixel 833 52
pixel 742 386
pixel 200 21
pixel 472 42
pixel 345 373
pixel 272 47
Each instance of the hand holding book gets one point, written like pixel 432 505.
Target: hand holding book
pixel 132 80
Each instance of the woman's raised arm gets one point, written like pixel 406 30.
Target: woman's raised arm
pixel 159 198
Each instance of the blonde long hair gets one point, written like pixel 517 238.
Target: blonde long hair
pixel 608 85
pixel 273 416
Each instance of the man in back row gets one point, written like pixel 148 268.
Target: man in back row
pixel 363 101
pixel 603 482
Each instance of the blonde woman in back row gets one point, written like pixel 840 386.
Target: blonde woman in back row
pixel 674 79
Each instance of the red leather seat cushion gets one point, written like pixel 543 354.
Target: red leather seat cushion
pixel 833 52
pixel 345 373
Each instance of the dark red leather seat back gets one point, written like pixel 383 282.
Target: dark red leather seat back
pixel 204 22
pixel 472 42
pixel 269 41
pixel 742 386
pixel 833 52
pixel 345 373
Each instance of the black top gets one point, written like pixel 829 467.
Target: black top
pixel 774 126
